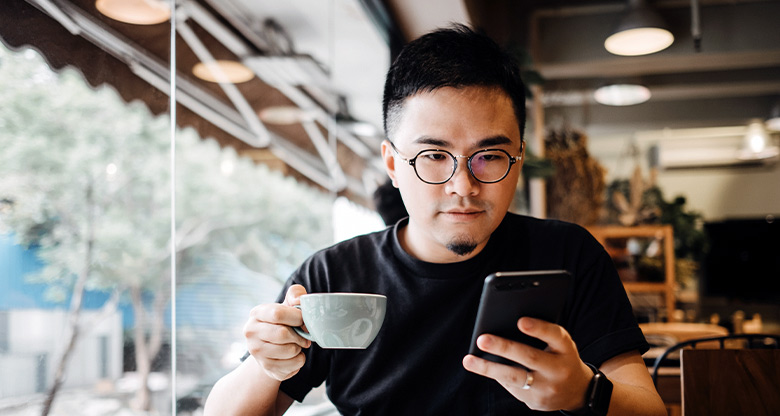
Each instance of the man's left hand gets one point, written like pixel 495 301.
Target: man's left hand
pixel 560 378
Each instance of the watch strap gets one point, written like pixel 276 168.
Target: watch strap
pixel 597 396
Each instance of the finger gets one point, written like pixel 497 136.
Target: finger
pixel 293 295
pixel 273 323
pixel 557 339
pixel 274 313
pixel 280 335
pixel 273 351
pixel 511 350
pixel 508 376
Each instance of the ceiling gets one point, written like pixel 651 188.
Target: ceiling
pixel 330 57
pixel 733 77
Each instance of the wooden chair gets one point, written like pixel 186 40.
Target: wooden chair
pixel 727 342
pixel 736 341
pixel 730 382
pixel 661 336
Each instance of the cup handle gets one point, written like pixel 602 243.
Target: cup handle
pixel 299 330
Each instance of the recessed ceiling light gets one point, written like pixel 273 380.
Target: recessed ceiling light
pixel 223 71
pixel 622 94
pixel 137 12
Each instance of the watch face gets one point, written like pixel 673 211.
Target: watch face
pixel 600 395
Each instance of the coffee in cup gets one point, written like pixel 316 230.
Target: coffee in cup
pixel 342 320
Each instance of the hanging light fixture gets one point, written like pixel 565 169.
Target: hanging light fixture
pixel 137 12
pixel 285 115
pixel 757 144
pixel 223 71
pixel 641 31
pixel 621 94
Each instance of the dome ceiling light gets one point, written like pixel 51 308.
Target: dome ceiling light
pixel 641 31
pixel 234 72
pixel 137 12
pixel 757 144
pixel 284 115
pixel 621 94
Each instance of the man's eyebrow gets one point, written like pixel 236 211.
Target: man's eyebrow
pixel 493 141
pixel 431 141
pixel 483 143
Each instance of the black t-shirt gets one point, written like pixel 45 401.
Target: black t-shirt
pixel 414 366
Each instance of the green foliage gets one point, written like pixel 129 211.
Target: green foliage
pixel 79 166
pixel 689 238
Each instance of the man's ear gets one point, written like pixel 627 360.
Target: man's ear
pixel 387 157
pixel 522 151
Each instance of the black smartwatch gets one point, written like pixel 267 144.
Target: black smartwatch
pixel 597 396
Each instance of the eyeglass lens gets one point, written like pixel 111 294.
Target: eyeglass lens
pixel 437 166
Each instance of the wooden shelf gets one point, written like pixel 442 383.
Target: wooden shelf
pixel 644 287
pixel 661 232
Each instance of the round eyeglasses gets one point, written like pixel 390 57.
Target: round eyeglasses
pixel 435 166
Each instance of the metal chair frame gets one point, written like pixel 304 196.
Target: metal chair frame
pixel 750 338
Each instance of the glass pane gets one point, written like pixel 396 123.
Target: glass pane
pixel 84 210
pixel 260 163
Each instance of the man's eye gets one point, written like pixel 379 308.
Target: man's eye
pixel 434 157
pixel 491 157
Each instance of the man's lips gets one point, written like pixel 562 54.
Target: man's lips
pixel 462 213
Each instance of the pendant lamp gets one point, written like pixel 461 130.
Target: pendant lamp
pixel 641 31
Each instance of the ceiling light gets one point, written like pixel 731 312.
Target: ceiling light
pixel 137 12
pixel 357 127
pixel 640 32
pixel 284 115
pixel 756 144
pixel 223 71
pixel 622 94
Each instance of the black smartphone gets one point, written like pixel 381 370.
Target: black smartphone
pixel 508 296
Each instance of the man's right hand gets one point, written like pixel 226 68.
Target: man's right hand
pixel 271 340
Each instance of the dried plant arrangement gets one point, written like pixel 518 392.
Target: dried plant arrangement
pixel 575 192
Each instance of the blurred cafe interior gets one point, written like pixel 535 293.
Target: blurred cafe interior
pixel 653 123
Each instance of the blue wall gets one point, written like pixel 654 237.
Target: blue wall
pixel 16 263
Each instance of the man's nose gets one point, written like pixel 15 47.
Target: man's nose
pixel 463 182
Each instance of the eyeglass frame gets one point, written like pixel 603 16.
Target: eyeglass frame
pixel 411 162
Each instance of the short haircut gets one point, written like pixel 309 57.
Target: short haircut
pixel 456 56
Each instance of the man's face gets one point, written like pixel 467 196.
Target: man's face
pixel 454 220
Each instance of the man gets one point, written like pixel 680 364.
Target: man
pixel 454 116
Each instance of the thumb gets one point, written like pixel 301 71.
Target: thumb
pixel 293 295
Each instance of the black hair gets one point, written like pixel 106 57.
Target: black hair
pixel 389 204
pixel 456 56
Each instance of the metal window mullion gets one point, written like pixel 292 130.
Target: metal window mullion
pixel 235 96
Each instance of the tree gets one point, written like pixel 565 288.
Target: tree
pixel 86 178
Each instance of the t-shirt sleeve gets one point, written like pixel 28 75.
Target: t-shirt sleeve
pixel 600 319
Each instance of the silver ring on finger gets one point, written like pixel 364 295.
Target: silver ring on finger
pixel 529 380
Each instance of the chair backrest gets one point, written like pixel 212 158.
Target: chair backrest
pixel 738 341
pixel 730 382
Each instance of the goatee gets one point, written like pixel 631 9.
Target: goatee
pixel 461 248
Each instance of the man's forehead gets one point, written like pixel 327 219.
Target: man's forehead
pixel 448 117
pixel 445 142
